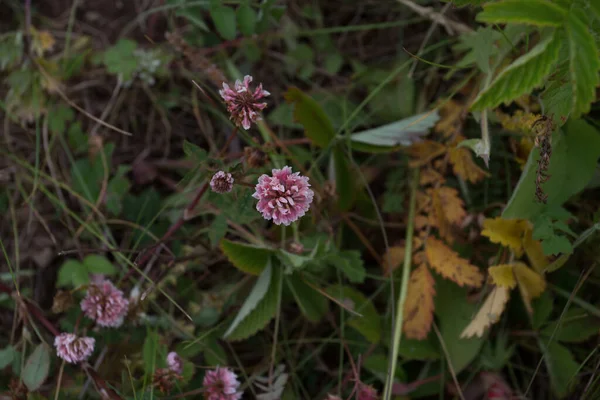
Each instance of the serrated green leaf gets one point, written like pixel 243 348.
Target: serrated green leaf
pixel 120 59
pixel 246 17
pixel 256 295
pixel 7 355
pixel 531 12
pixel 557 97
pixel 245 257
pixel 217 230
pixel 584 64
pixel 264 311
pixel 369 325
pixel 317 126
pixel 403 132
pixel 36 368
pixel 524 74
pixel 576 326
pixel 224 20
pixel 561 366
pixel 556 244
pixel 572 165
pixel 96 264
pixel 350 264
pixel 74 273
pixel 58 119
pixel 313 305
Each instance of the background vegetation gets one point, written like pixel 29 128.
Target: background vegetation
pixel 451 247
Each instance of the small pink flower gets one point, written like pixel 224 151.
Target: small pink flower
pixel 175 363
pixel 366 392
pixel 221 384
pixel 244 105
pixel 105 304
pixel 221 182
pixel 74 349
pixel 283 197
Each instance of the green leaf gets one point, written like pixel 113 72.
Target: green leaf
pixel 557 97
pixel 572 165
pixel 96 264
pixel 74 273
pixel 531 12
pixel 245 257
pixel 194 152
pixel 369 325
pixel 520 77
pixel 264 311
pixel 584 64
pixel 218 229
pixel 561 366
pixel 120 59
pixel 153 353
pixel 455 312
pixel 576 326
pixel 117 188
pixel 403 132
pixel 309 113
pixel 344 179
pixel 556 244
pixel 36 368
pixel 58 119
pixel 224 19
pixel 194 15
pixel 542 308
pixel 350 264
pixel 246 17
pixel 256 295
pixel 7 355
pixel 412 349
pixel 313 304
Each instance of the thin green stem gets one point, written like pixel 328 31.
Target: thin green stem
pixel 387 392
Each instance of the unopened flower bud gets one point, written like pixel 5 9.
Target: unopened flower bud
pixel 221 182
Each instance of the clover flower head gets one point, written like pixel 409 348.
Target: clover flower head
pixel 105 304
pixel 221 182
pixel 221 384
pixel 243 104
pixel 74 349
pixel 283 197
pixel 175 363
pixel 366 392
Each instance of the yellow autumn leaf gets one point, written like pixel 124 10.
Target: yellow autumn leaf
pixel 425 151
pixel 507 232
pixel 531 284
pixel 418 307
pixel 447 210
pixel 488 314
pixel 430 176
pixel 534 252
pixel 450 265
pixel 463 165
pixel 452 115
pixel 502 275
pixel 41 42
pixel 392 258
